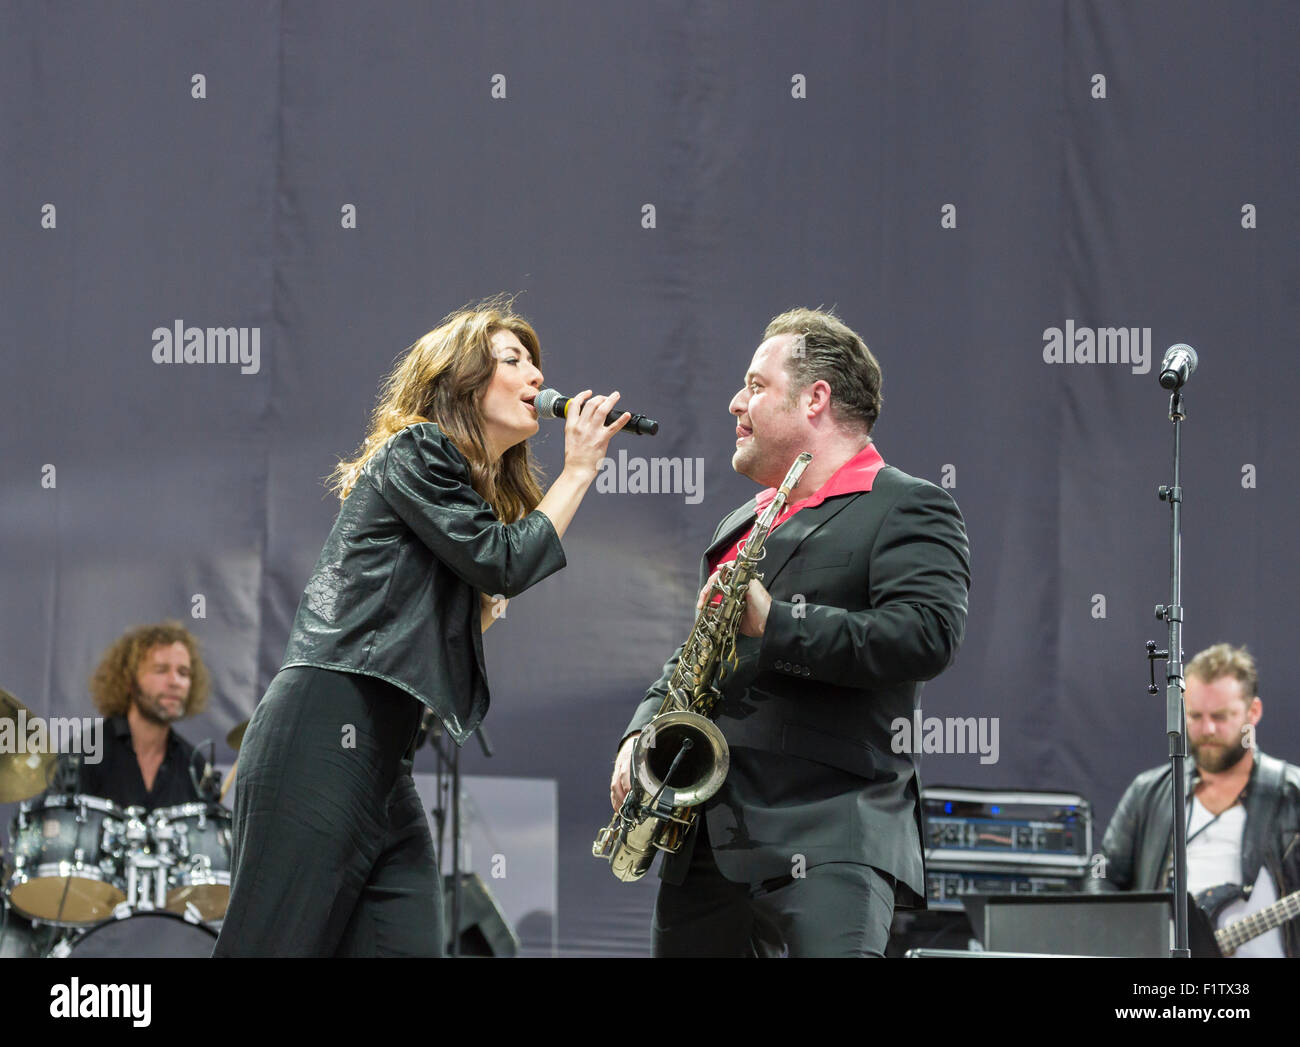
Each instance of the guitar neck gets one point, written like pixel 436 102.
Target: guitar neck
pixel 1237 934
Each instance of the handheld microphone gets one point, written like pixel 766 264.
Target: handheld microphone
pixel 1178 365
pixel 553 404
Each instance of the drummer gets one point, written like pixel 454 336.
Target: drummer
pixel 147 680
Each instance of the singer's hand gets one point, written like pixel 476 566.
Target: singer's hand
pixel 586 436
pixel 758 602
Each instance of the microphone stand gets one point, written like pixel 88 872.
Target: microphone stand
pixel 207 785
pixel 67 774
pixel 1175 716
pixel 439 814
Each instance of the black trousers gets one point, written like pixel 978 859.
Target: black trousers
pixel 836 909
pixel 332 854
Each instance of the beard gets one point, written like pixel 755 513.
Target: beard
pixel 153 710
pixel 1215 757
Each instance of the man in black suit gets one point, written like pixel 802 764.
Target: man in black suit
pixel 816 832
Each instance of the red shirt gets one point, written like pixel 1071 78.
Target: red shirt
pixel 854 476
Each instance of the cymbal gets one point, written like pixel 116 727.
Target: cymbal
pixel 236 737
pixel 22 774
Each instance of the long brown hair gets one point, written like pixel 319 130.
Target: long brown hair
pixel 114 680
pixel 442 379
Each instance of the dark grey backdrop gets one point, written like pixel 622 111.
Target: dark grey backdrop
pixel 1117 211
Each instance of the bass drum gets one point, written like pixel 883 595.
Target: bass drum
pixel 145 934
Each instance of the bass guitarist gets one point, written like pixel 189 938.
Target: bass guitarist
pixel 1243 809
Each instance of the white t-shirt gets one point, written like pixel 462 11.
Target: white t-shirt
pixel 1214 858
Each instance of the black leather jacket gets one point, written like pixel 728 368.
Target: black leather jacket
pixel 395 593
pixel 1139 839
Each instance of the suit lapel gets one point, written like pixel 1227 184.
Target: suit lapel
pixel 781 543
pixel 726 535
pixel 786 539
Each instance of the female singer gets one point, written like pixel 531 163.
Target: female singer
pixel 442 519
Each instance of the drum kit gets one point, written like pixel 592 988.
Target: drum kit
pixel 86 877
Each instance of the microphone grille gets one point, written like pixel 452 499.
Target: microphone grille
pixel 545 402
pixel 1191 354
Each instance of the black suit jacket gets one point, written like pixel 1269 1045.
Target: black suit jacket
pixel 869 598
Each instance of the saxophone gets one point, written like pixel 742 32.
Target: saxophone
pixel 680 758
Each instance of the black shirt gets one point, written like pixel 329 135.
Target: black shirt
pixel 117 776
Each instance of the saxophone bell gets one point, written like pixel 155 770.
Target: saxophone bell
pixel 678 762
pixel 698 774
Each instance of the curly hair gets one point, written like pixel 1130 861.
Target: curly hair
pixel 114 680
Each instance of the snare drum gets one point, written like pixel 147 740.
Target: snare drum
pixel 67 859
pixel 193 841
pixel 142 934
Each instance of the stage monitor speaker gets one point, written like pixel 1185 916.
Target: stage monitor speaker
pixel 484 929
pixel 1136 924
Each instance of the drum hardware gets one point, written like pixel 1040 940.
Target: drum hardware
pixel 60 950
pixel 82 865
pixel 82 862
pixel 206 784
pixel 194 839
pixel 146 884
